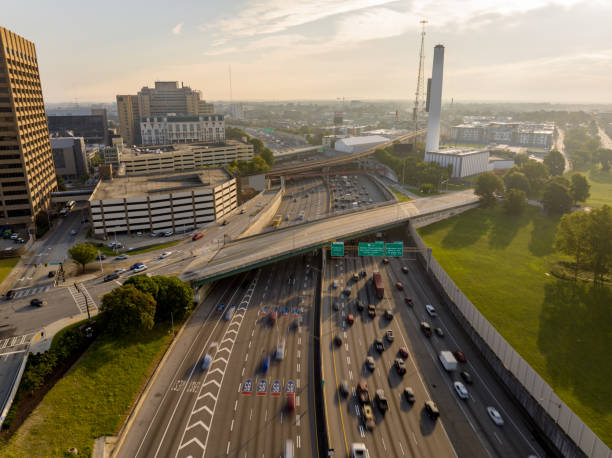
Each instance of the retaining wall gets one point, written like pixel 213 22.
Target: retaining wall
pixel 264 217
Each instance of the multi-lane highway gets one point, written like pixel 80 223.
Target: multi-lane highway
pixel 304 200
pixel 237 407
pixel 465 422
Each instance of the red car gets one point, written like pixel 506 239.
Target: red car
pixel 408 300
pixel 291 404
pixel 350 319
pixel 197 236
pixel 460 356
pixel 403 351
pixel 399 285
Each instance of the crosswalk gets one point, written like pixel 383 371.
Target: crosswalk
pixel 31 291
pixel 10 342
pixel 79 298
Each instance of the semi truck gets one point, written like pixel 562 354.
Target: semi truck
pixel 378 285
pixel 448 360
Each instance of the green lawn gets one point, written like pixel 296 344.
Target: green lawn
pixel 400 196
pixel 601 187
pixel 91 400
pixel 563 330
pixel 6 265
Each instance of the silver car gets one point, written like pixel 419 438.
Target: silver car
pixel 495 416
pixel 461 390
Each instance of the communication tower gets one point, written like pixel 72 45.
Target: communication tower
pixel 419 95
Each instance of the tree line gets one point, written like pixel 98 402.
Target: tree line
pixel 263 157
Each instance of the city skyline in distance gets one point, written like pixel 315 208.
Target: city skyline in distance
pixel 530 51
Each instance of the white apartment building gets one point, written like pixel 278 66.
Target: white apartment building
pixel 142 161
pixel 158 203
pixel 465 162
pixel 170 129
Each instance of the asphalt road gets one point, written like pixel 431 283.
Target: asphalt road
pixel 361 188
pixel 227 410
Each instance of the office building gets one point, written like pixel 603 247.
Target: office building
pixel 533 135
pixel 465 162
pixel 169 158
pixel 164 202
pixel 170 129
pixel 165 98
pixel 91 124
pixel 27 174
pixel 69 157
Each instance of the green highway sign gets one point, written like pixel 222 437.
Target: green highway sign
pixel 337 249
pixel 371 248
pixel 394 249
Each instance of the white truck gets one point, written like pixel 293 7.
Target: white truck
pixel 448 360
pixel 359 450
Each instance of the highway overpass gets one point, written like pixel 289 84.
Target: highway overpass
pixel 250 252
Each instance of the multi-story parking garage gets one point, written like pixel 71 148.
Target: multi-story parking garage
pixel 161 203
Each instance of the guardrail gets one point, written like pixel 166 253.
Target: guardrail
pixel 320 406
pixel 15 385
pixel 562 427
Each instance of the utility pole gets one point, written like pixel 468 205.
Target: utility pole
pixel 419 95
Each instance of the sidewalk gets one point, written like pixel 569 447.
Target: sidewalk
pixel 41 342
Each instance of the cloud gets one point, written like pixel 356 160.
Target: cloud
pixel 176 30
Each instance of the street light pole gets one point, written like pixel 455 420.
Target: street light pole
pixel 100 259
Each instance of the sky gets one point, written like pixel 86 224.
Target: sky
pixel 557 51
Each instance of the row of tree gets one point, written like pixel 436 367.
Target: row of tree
pixel 143 301
pixel 584 146
pixel 263 157
pixel 587 237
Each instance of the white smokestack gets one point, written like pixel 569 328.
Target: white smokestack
pixel 435 101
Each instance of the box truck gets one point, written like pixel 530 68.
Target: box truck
pixel 448 360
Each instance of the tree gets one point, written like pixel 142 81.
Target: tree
pixel 600 242
pixel 268 156
pixel 258 145
pixel 257 165
pixel 174 296
pixel 235 133
pixel 580 188
pixel 487 185
pixel 515 179
pixel 555 162
pixel 604 156
pixel 537 174
pixel 572 237
pixel 143 283
pixel 556 198
pixel 521 159
pixel 515 201
pixel 127 309
pixel 83 253
pixel 61 185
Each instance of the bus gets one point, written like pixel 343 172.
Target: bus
pixel 277 221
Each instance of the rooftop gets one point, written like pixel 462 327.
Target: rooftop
pixel 130 153
pixel 143 186
pixel 355 141
pixel 459 151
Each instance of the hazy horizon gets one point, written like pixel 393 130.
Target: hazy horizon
pixel 531 51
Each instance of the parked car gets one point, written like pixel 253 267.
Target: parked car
pixel 495 416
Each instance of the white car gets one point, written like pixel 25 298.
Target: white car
pixel 139 269
pixel 119 271
pixel 495 416
pixel 121 257
pixel 461 390
pixel 431 310
pixel 206 362
pixel 165 254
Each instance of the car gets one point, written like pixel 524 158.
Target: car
pixel 10 294
pixel 37 302
pixel 350 319
pixel 265 364
pixel 408 300
pixel 432 410
pixel 337 340
pixel 165 254
pixel 291 404
pixel 370 363
pixel 495 416
pixel 229 313
pixel 119 271
pixel 385 261
pixel 51 274
pixel 343 389
pixel 280 351
pixel 138 234
pixel 460 356
pixel 409 394
pixel 273 317
pixel 359 304
pixel 335 284
pixel 439 331
pixel 363 273
pixel 197 236
pixel 112 276
pixel 168 233
pixel 381 401
pixel 72 232
pixel 206 362
pixel 140 268
pixel 355 277
pixel 399 286
pixel 371 310
pixel 426 328
pixel 462 392
pixel 368 417
pixel 389 335
pixel 431 310
pixel 15 236
pixel 336 305
pixel 134 266
pixel 388 314
pixel 242 211
pixel 379 346
pixel 399 366
pixel 467 378
pixel 101 257
pixel 347 291
pixel 405 269
pixel 121 257
pixel 403 352
pixel 224 223
pixel 20 240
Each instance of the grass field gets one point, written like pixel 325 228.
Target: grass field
pixel 400 196
pixel 6 265
pixel 91 400
pixel 601 187
pixel 564 330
